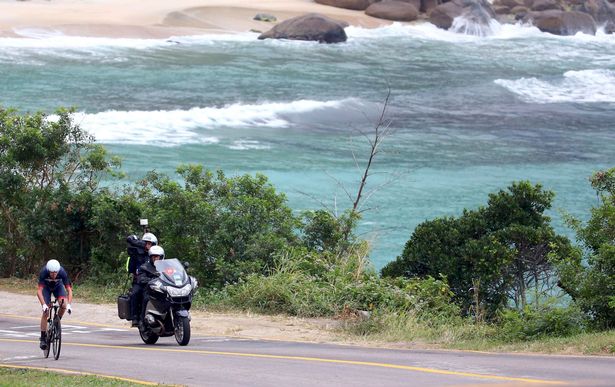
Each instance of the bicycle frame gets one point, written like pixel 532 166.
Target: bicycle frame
pixel 54 331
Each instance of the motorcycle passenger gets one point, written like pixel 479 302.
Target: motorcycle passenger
pixel 138 255
pixel 53 279
pixel 147 272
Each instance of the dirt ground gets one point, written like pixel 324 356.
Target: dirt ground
pixel 243 325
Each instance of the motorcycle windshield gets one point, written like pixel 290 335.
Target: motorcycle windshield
pixel 172 272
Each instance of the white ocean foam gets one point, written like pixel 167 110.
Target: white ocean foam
pixel 495 30
pixel 576 86
pixel 248 145
pixel 54 39
pixel 421 30
pixel 428 31
pixel 175 127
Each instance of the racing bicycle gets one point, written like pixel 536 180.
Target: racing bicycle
pixel 54 331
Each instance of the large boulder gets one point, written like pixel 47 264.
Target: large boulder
pixel 428 5
pixel 543 5
pixel 393 10
pixel 479 12
pixel 508 3
pixel 602 11
pixel 359 5
pixel 417 3
pixel 562 22
pixel 309 27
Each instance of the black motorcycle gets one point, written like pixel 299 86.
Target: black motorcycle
pixel 169 300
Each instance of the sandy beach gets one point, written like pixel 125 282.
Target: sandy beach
pixel 157 18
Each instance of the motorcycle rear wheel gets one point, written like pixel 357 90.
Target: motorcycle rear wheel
pixel 182 330
pixel 148 337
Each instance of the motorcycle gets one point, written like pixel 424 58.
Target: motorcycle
pixel 169 300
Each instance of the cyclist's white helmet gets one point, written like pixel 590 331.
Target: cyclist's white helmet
pixel 156 250
pixel 149 237
pixel 53 265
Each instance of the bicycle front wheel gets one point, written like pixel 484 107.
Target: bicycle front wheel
pixel 56 339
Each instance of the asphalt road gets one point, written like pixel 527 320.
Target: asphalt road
pixel 223 361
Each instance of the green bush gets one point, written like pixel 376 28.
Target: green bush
pixel 592 285
pixel 535 322
pixel 307 283
pixel 487 254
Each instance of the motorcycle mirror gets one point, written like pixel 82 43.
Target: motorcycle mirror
pixel 186 264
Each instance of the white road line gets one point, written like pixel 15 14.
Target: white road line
pixel 19 358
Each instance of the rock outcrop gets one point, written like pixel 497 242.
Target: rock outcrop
pixel 561 17
pixel 602 11
pixel 312 26
pixel 393 10
pixel 476 11
pixel 561 22
pixel 357 5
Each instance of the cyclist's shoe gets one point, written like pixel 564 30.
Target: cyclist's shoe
pixel 43 343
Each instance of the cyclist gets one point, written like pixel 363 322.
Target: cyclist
pixel 138 254
pixel 53 279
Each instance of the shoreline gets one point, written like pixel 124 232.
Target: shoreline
pixel 161 19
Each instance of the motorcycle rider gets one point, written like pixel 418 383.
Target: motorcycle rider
pixel 138 255
pixel 53 279
pixel 147 272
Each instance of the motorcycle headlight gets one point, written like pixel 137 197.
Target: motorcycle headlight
pixel 157 286
pixel 179 292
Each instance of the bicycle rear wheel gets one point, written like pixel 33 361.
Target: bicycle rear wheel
pixel 56 340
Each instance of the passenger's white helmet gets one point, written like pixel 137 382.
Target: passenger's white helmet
pixel 156 250
pixel 53 265
pixel 149 237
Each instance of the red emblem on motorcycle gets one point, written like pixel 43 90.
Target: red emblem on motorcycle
pixel 169 271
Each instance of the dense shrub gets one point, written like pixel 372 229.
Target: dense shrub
pixel 539 321
pixel 307 283
pixel 488 255
pixel 49 175
pixel 592 285
pixel 226 227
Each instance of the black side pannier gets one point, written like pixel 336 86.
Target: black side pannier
pixel 123 306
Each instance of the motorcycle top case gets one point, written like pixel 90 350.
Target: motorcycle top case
pixel 123 307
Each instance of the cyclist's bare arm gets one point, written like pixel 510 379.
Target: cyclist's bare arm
pixel 69 290
pixel 39 294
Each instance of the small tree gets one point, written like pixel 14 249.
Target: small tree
pixel 592 285
pixel 503 247
pixel 325 229
pixel 49 169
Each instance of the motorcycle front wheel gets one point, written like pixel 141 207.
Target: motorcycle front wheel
pixel 148 337
pixel 182 330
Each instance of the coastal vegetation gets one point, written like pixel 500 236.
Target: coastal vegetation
pixel 496 273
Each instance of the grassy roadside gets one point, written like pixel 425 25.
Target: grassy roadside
pixel 462 334
pixel 17 377
pixel 398 332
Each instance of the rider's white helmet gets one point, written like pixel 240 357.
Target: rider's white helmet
pixel 53 265
pixel 149 237
pixel 156 250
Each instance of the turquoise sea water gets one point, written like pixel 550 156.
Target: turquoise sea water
pixel 468 114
